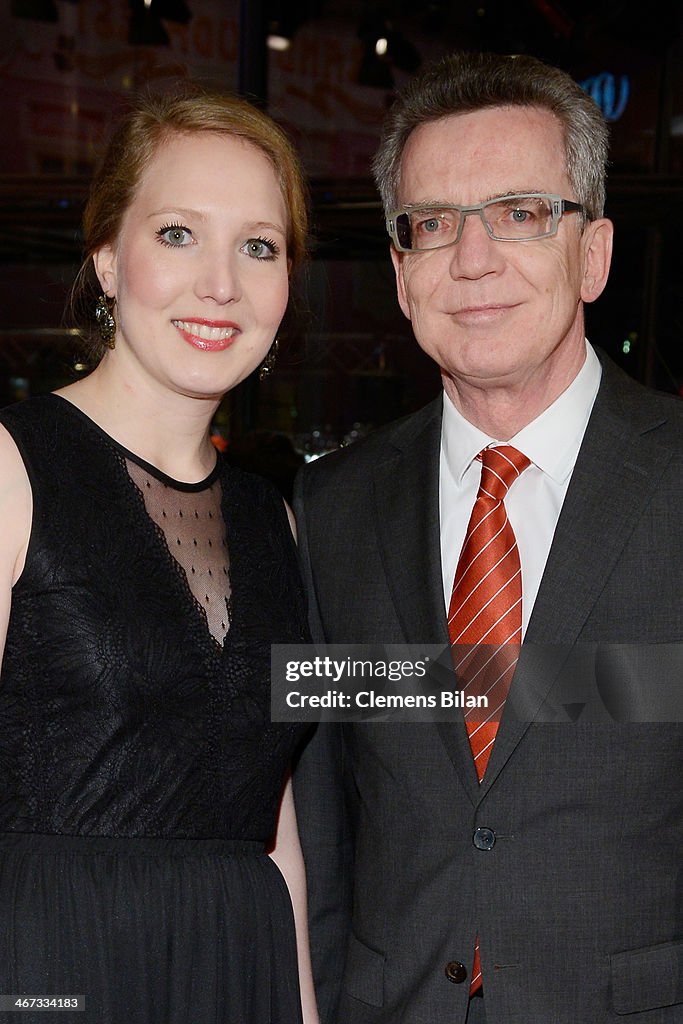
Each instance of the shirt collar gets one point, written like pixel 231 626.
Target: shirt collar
pixel 551 441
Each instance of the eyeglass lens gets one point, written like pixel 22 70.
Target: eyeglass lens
pixel 507 219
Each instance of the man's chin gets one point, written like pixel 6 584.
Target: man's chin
pixel 489 365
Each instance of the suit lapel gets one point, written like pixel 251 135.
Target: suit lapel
pixel 618 469
pixel 406 495
pixel 406 499
pixel 619 466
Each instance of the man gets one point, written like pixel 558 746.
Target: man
pixel 538 880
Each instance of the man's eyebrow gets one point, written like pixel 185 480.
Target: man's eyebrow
pixel 426 204
pixel 516 192
pixel 431 204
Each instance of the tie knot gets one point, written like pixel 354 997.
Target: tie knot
pixel 500 468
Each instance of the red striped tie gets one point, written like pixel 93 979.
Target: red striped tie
pixel 486 609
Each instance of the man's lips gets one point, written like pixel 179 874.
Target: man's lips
pixel 484 313
pixel 207 335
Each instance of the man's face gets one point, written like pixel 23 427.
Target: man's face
pixel 499 314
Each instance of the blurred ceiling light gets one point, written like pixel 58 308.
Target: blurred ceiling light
pixel 275 41
pixel 145 27
pixel 146 20
pixel 384 50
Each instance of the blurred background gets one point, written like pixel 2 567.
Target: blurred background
pixel 327 71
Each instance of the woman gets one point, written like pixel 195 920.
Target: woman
pixel 142 582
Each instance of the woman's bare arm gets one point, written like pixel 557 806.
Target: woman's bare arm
pixel 287 855
pixel 15 520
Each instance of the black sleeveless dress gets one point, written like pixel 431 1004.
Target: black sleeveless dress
pixel 139 770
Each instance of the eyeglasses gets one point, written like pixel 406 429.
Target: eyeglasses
pixel 519 218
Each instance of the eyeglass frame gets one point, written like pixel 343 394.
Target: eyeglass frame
pixel 559 207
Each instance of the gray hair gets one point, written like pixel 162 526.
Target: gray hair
pixel 465 82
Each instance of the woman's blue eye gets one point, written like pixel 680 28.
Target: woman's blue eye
pixel 261 248
pixel 175 235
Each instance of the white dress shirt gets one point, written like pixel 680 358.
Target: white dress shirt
pixel 551 442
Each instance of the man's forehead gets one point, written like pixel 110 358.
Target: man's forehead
pixel 493 119
pixel 494 150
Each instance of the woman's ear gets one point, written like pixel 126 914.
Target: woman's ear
pixel 104 261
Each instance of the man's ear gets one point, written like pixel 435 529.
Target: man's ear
pixel 397 260
pixel 597 255
pixel 105 268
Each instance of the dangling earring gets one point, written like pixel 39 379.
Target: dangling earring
pixel 105 320
pixel 268 364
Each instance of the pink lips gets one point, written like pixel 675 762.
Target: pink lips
pixel 473 315
pixel 207 335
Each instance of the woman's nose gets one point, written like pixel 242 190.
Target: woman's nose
pixel 218 278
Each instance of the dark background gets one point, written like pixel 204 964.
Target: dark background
pixel 349 361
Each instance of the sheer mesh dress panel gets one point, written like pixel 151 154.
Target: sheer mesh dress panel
pixel 195 534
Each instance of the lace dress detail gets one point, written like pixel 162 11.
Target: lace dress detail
pixel 140 773
pixel 193 528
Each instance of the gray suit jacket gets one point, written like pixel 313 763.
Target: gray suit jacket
pixel 579 904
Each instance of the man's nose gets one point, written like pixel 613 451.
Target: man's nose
pixel 475 253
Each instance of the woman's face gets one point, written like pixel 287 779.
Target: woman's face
pixel 199 270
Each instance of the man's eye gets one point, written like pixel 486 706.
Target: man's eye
pixel 521 216
pixel 429 225
pixel 175 235
pixel 261 248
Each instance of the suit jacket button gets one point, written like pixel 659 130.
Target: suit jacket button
pixel 456 972
pixel 484 838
